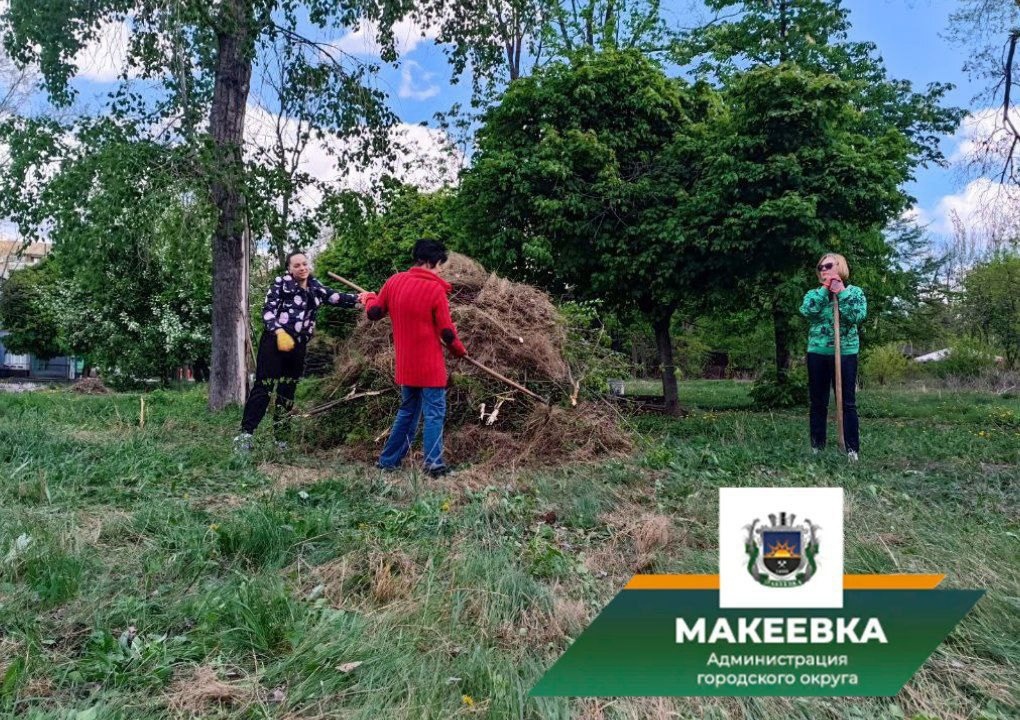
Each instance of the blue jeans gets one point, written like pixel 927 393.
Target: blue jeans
pixel 415 402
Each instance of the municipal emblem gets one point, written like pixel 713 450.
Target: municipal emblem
pixel 781 554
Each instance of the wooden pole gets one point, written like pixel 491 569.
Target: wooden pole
pixel 346 282
pixel 504 379
pixel 839 375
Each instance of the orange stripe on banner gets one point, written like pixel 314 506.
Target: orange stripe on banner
pixel 850 582
pixel 892 582
pixel 673 582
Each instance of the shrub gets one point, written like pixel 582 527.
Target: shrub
pixel 884 364
pixel 967 358
pixel 769 392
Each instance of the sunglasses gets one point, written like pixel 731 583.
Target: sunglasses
pixel 826 266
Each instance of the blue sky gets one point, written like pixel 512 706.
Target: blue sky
pixel 908 34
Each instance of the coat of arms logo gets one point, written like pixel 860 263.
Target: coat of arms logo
pixel 781 554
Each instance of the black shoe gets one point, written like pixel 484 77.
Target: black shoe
pixel 387 468
pixel 438 471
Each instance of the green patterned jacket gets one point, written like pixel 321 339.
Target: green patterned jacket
pixel 817 308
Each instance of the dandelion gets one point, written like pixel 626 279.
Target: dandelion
pixel 445 507
pixel 214 527
pixel 467 700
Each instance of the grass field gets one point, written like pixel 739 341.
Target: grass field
pixel 145 573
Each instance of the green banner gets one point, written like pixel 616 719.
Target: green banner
pixel 637 647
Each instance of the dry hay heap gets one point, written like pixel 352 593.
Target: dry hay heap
pixel 513 329
pixel 90 386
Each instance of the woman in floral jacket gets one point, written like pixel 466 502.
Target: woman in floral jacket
pixel 833 275
pixel 289 317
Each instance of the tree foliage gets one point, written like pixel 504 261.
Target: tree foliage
pixel 814 35
pixel 580 184
pixel 900 130
pixel 991 303
pixel 373 236
pixel 28 311
pixel 198 59
pixel 797 172
pixel 132 262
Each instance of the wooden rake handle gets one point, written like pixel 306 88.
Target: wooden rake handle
pixel 504 379
pixel 839 374
pixel 347 282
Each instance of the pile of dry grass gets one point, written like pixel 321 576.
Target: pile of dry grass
pixel 510 327
pixel 202 691
pixel 90 386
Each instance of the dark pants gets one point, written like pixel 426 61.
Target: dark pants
pixel 416 402
pixel 821 378
pixel 273 368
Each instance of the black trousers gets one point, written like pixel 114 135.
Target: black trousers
pixel 273 368
pixel 821 379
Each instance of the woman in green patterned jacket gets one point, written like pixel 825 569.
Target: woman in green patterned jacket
pixel 833 274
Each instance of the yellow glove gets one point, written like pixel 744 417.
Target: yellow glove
pixel 284 342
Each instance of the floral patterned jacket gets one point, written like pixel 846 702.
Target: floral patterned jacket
pixel 817 308
pixel 293 308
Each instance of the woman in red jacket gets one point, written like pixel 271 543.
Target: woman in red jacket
pixel 417 304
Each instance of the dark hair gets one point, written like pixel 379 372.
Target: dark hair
pixel 429 252
pixel 286 263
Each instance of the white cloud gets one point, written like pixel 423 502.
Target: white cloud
pixel 409 88
pixel 363 40
pixel 105 58
pixel 916 214
pixel 423 155
pixel 983 137
pixel 984 208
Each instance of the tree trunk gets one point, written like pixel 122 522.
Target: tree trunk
pixel 781 327
pixel 228 372
pixel 664 342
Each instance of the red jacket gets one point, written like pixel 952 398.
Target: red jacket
pixel 416 301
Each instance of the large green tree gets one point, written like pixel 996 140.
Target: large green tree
pixel 798 172
pixel 129 281
pixel 28 310
pixel 501 41
pixel 581 184
pixel 813 35
pixel 198 58
pixel 991 303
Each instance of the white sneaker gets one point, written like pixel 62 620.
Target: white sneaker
pixel 243 443
pixel 852 456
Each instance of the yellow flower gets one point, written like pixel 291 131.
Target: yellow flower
pixel 214 527
pixel 467 700
pixel 445 507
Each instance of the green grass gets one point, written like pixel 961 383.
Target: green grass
pixel 155 573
